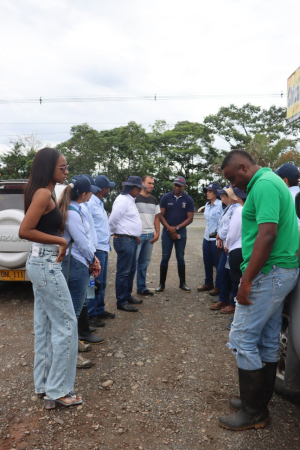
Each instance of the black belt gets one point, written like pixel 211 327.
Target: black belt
pixel 124 235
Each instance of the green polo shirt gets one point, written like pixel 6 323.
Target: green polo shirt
pixel 270 201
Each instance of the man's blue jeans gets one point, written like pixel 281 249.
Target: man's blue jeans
pixel 210 259
pixel 143 257
pixel 254 335
pixel 96 305
pixel 167 245
pixel 78 282
pixel 125 248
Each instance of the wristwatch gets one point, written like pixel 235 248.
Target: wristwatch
pixel 177 228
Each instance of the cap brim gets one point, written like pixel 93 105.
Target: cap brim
pixel 95 189
pixel 112 184
pixel 179 182
pixel 221 192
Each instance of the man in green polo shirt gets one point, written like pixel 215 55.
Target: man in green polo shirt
pixel 270 241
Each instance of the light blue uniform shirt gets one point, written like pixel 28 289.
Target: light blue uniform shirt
pixel 85 208
pixel 99 215
pixel 224 221
pixel 212 214
pixel 77 226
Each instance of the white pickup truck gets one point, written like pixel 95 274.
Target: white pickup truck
pixel 13 250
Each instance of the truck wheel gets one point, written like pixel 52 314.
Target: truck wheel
pixel 280 388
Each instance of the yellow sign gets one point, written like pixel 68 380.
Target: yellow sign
pixel 293 97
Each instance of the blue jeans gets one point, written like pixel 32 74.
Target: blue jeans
pixel 223 279
pixel 210 259
pixel 97 305
pixel 167 245
pixel 125 248
pixel 143 257
pixel 55 324
pixel 78 282
pixel 254 335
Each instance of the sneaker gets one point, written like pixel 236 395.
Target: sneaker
pixel 83 363
pixel 106 315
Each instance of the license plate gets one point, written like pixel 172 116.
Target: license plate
pixel 12 275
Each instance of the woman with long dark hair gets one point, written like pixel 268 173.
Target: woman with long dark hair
pixel 55 325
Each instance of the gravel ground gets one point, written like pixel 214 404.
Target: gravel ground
pixel 169 373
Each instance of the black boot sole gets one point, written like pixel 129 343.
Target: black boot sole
pixel 184 290
pixel 256 426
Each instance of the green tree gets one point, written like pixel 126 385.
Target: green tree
pixel 16 162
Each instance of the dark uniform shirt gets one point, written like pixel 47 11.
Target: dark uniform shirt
pixel 176 207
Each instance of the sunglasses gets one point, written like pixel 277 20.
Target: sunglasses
pixel 64 168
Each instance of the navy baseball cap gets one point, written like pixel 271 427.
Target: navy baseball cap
pixel 94 188
pixel 180 180
pixel 288 171
pixel 102 182
pixel 239 193
pixel 213 187
pixel 80 184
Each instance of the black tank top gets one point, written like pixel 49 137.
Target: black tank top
pixel 50 223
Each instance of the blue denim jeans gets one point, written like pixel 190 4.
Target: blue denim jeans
pixel 254 335
pixel 223 279
pixel 210 259
pixel 55 324
pixel 96 305
pixel 167 245
pixel 125 248
pixel 143 257
pixel 78 282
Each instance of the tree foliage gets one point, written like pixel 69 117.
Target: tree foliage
pixel 187 149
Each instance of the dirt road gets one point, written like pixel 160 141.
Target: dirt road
pixel 171 371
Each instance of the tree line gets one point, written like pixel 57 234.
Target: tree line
pixel 187 149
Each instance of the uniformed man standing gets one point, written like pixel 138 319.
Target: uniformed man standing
pixel 177 212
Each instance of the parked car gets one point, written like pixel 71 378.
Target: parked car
pixel 288 372
pixel 13 250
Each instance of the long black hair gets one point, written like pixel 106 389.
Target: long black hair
pixel 42 170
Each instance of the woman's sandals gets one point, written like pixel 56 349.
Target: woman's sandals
pixel 68 400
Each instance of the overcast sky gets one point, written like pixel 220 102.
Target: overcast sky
pixel 73 48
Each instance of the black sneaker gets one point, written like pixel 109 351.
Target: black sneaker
pixel 135 301
pixel 106 315
pixel 96 322
pixel 145 292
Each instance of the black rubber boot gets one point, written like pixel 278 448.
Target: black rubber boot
pixel 84 333
pixel 182 285
pixel 254 412
pixel 270 372
pixel 162 279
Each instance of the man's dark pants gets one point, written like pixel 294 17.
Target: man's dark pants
pixel 125 247
pixel 167 245
pixel 96 305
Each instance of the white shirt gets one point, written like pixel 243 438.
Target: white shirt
pixel 234 235
pixel 294 191
pixel 125 218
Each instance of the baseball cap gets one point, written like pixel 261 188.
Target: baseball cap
pixel 102 182
pixel 213 187
pixel 288 171
pixel 94 188
pixel 180 180
pixel 80 184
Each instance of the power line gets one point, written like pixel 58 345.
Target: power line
pixel 154 97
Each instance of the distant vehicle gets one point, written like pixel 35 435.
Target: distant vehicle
pixel 288 372
pixel 13 250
